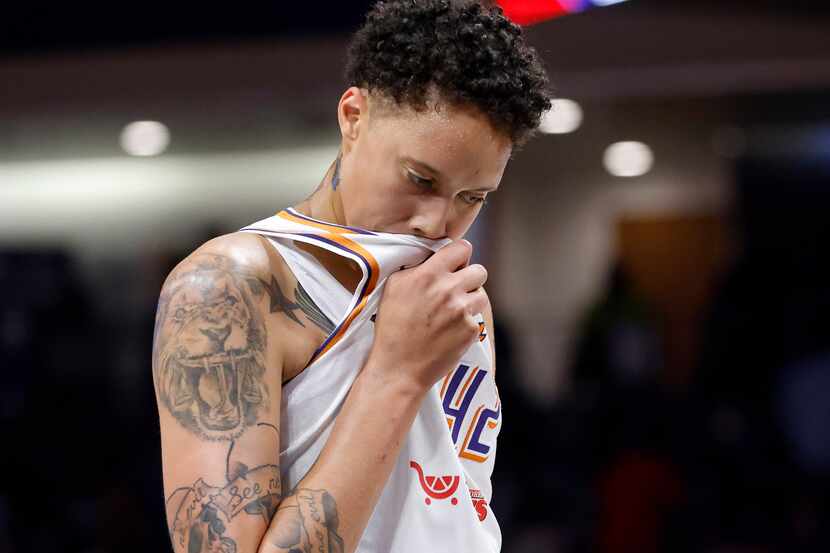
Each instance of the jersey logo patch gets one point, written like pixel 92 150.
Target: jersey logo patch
pixel 436 487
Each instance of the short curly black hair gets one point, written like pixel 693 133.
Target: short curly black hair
pixel 469 53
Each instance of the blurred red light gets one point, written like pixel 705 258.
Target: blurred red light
pixel 527 12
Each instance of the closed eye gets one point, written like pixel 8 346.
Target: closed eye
pixel 471 199
pixel 420 181
pixel 425 183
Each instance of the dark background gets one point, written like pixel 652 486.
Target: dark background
pixel 51 27
pixel 688 406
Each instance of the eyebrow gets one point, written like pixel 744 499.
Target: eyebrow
pixel 426 166
pixel 438 174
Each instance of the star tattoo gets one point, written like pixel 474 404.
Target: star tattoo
pixel 279 302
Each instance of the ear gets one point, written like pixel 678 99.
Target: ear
pixel 352 115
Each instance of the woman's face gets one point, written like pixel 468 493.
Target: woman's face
pixel 423 173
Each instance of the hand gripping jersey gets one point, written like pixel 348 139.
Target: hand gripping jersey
pixel 437 496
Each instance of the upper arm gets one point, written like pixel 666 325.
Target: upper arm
pixel 217 368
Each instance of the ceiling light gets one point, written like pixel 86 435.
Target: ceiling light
pixel 145 138
pixel 564 116
pixel 628 159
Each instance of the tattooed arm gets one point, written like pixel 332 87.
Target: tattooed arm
pixel 224 328
pixel 225 332
pixel 217 370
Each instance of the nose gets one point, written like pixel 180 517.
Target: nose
pixel 430 220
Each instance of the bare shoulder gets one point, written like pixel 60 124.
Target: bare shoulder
pixel 249 264
pixel 237 268
pixel 240 251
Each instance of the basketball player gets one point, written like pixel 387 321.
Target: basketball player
pixel 325 376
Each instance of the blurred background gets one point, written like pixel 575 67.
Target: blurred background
pixel 659 259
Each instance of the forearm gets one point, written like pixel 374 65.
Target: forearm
pixel 330 507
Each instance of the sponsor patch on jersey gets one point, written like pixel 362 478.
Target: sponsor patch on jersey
pixel 479 503
pixel 436 487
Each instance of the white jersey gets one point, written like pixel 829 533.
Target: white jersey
pixel 438 494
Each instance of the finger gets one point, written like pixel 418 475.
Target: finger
pixel 452 257
pixel 477 301
pixel 469 278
